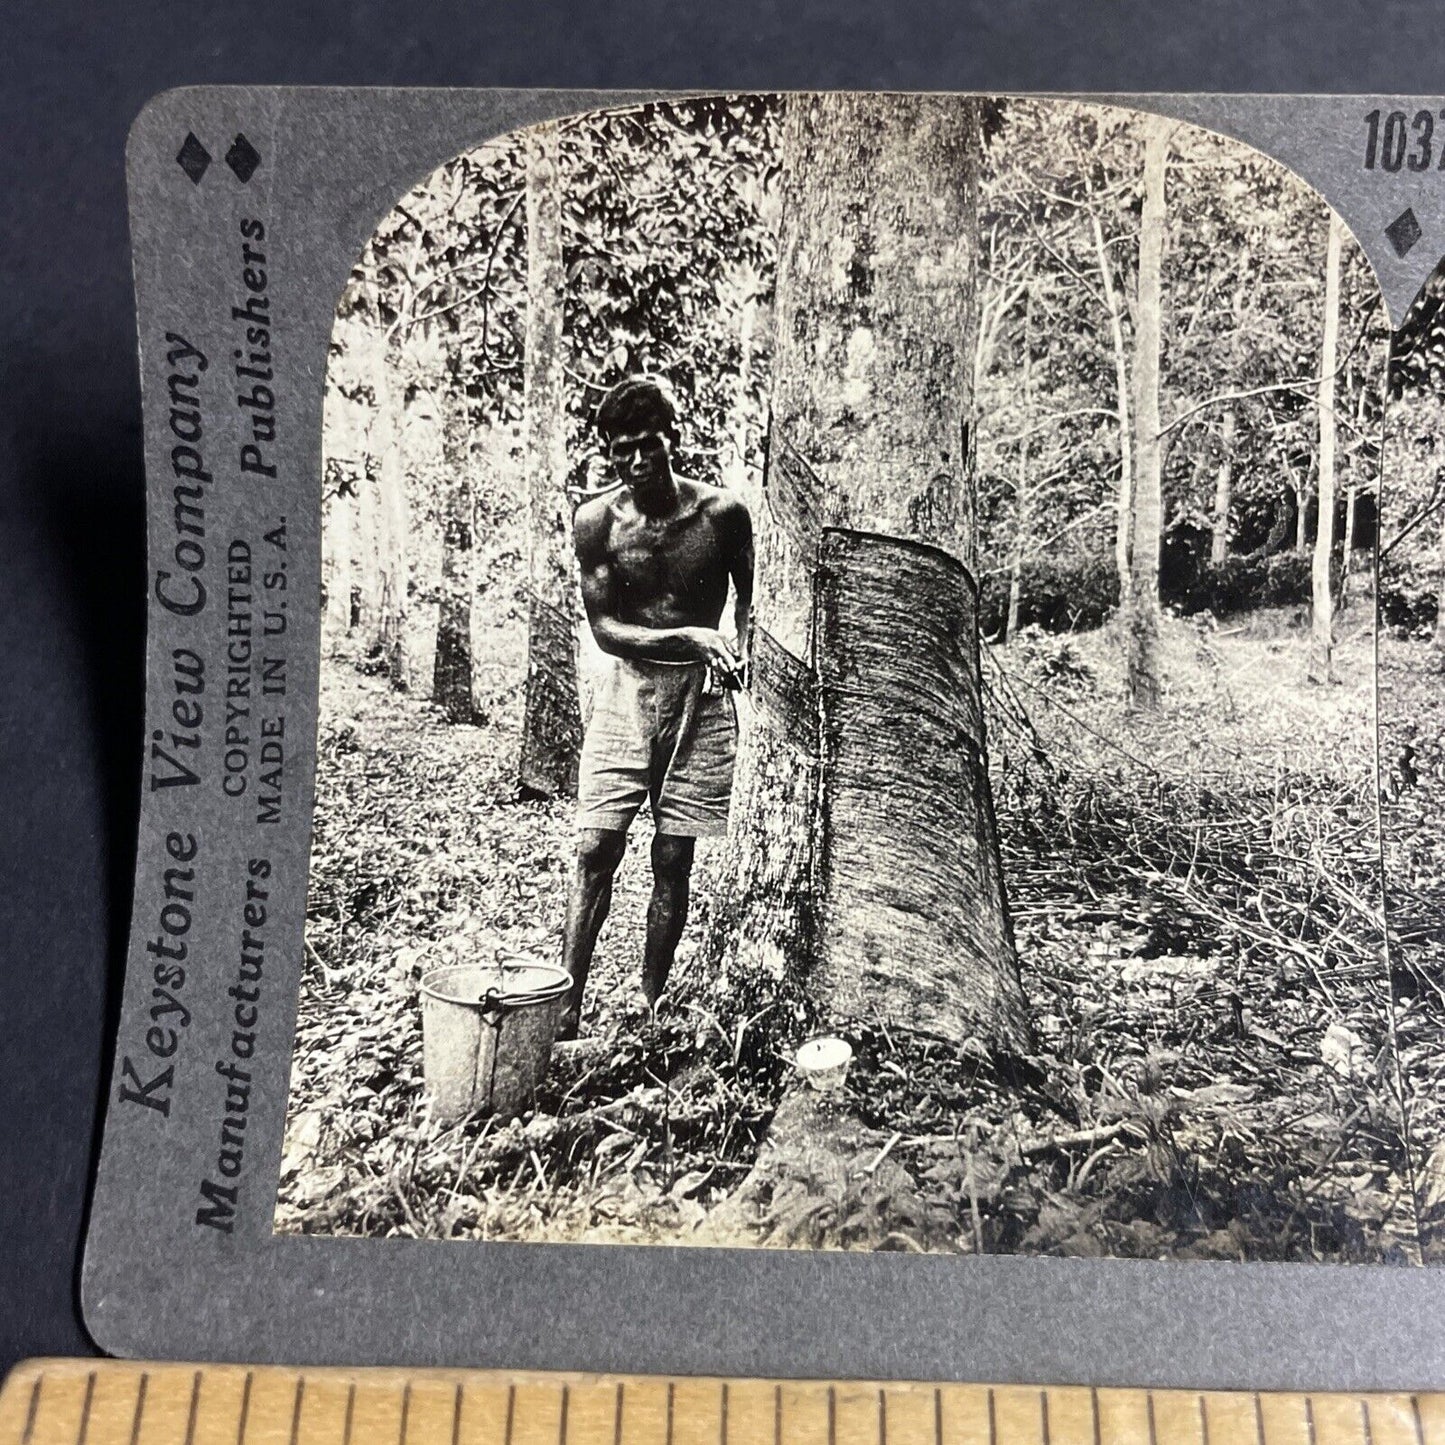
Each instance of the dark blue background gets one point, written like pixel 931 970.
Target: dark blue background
pixel 71 518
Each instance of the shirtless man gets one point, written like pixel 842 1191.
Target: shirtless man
pixel 656 556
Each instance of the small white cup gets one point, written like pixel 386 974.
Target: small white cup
pixel 823 1062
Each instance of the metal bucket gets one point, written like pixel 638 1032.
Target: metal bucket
pixel 487 1033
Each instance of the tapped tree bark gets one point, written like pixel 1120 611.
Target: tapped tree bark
pixel 552 719
pixel 863 860
pixel 1143 603
pixel 1322 621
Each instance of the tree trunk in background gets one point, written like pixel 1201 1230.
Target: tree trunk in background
pixel 336 562
pixel 1021 485
pixel 1322 622
pixel 863 858
pixel 1301 515
pixel 366 533
pixel 552 719
pixel 1223 492
pixel 735 473
pixel 392 525
pixel 1348 551
pixel 1124 505
pixel 1143 608
pixel 452 665
pixel 343 433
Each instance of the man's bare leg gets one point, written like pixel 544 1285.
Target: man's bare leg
pixel 667 913
pixel 599 851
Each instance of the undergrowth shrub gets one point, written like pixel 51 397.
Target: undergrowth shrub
pixel 1078 594
pixel 1243 583
pixel 1408 598
pixel 1058 595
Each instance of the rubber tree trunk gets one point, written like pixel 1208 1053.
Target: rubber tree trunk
pixel 452 664
pixel 863 857
pixel 393 524
pixel 1124 501
pixel 1322 621
pixel 1022 499
pixel 1347 550
pixel 336 622
pixel 1143 603
pixel 1223 491
pixel 381 511
pixel 552 719
pixel 366 532
pixel 344 432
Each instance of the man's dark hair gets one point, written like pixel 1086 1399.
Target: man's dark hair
pixel 639 404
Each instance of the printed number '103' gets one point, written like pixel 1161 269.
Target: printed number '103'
pixel 1401 140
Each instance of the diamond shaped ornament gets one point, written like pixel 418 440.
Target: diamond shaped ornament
pixel 193 158
pixel 1403 232
pixel 243 158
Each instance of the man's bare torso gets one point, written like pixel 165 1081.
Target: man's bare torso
pixel 665 572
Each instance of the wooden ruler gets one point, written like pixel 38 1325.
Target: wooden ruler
pixel 103 1402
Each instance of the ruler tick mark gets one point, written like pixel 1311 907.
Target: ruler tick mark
pixel 617 1418
pixel 296 1408
pixel 1258 1419
pixel 1366 1431
pixel 722 1433
pixel 245 1407
pixel 1419 1423
pixel 1203 1422
pixel 1044 1415
pixel 34 1407
pixel 937 1416
pixel 457 1414
pixel 1094 1410
pixel 350 1413
pixel 511 1412
pixel 1310 1420
pixel 140 1404
pixel 562 1423
pixel 777 1415
pixel 194 1406
pixel 85 1409
pixel 671 1390
pixel 405 1414
pixel 1149 1404
pixel 832 1416
pixel 992 1419
pixel 882 1418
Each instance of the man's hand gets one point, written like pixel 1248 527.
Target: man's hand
pixel 706 644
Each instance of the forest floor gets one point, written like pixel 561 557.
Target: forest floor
pixel 1195 900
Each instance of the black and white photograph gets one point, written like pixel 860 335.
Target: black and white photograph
pixel 1411 682
pixel 847 708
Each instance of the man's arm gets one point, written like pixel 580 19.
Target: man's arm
pixel 739 532
pixel 630 639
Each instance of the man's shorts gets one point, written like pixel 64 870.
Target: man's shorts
pixel 657 735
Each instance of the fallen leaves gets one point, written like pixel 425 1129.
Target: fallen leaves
pixel 1183 1103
